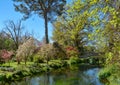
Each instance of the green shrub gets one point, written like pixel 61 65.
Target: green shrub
pixel 2 77
pixel 57 63
pixel 38 58
pixel 111 73
pixel 106 72
pixel 94 61
pixel 114 79
pixel 9 76
pixel 59 51
pixel 74 60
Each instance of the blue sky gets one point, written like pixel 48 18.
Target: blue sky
pixel 34 24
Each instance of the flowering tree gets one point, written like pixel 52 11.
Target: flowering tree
pixel 25 50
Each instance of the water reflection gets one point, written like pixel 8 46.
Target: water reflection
pixel 64 77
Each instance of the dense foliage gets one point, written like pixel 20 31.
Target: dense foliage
pixel 6 42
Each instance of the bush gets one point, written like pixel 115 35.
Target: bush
pixel 74 60
pixel 38 59
pixel 94 61
pixel 71 51
pixel 110 73
pixel 106 72
pixel 2 77
pixel 59 51
pixel 57 64
pixel 37 68
pixel 114 79
pixel 5 55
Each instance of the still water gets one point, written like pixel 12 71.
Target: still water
pixel 75 76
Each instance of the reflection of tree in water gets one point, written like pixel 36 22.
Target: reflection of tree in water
pixel 47 79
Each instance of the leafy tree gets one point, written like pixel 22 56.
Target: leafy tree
pixel 6 42
pixel 108 21
pixel 43 8
pixel 72 30
pixel 25 50
pixel 112 29
pixel 106 25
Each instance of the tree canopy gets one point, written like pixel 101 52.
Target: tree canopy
pixel 48 9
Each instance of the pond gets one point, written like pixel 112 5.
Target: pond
pixel 76 75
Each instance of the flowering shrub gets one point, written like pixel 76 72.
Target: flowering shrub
pixel 71 51
pixel 5 55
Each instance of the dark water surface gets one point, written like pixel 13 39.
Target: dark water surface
pixel 77 75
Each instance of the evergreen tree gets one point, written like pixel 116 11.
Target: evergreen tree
pixel 48 9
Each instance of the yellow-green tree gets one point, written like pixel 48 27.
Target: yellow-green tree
pixel 72 28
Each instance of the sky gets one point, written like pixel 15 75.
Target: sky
pixel 33 25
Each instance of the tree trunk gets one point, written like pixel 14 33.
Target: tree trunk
pixel 46 28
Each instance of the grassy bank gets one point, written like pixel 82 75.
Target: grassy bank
pixel 12 71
